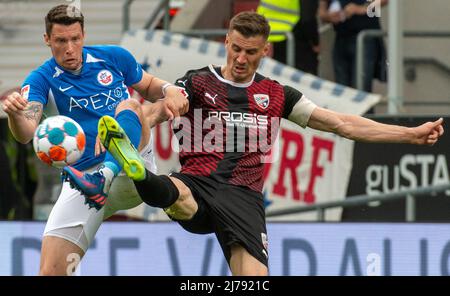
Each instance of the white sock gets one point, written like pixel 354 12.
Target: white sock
pixel 109 177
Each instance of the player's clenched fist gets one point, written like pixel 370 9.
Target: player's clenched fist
pixel 176 101
pixel 14 103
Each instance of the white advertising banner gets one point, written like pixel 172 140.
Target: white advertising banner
pixel 331 249
pixel 311 166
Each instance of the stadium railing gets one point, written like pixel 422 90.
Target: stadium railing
pixel 164 5
pixel 161 11
pixel 358 200
pixel 360 48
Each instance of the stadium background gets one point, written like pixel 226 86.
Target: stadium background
pixel 384 246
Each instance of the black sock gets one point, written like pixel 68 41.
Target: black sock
pixel 157 191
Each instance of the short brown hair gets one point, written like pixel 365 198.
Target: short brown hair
pixel 64 15
pixel 250 24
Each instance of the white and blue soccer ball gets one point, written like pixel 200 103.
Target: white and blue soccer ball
pixel 59 141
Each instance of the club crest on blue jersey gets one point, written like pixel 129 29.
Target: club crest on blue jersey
pixel 104 77
pixel 262 100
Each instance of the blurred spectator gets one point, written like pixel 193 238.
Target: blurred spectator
pixel 8 193
pixel 14 202
pixel 305 32
pixel 282 16
pixel 17 186
pixel 349 17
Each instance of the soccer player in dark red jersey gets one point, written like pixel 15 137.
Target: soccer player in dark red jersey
pixel 219 187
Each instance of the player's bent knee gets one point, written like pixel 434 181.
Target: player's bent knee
pixel 184 208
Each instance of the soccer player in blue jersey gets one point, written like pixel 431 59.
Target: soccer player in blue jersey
pixel 219 190
pixel 86 83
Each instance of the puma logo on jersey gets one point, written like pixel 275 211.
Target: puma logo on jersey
pixel 213 99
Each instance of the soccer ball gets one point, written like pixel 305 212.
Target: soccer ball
pixel 59 141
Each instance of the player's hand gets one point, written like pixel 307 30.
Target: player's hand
pixel 428 133
pixel 14 104
pixel 155 113
pixel 176 102
pixel 99 148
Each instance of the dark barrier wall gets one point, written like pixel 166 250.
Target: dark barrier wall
pixel 383 168
pixel 16 184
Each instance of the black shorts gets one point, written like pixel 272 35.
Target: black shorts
pixel 234 213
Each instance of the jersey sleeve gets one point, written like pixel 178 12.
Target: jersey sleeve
pixel 35 88
pixel 130 68
pixel 185 83
pixel 298 108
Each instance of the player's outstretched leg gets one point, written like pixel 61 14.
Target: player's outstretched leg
pixel 116 141
pixel 120 135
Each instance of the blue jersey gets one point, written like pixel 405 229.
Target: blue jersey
pixel 96 91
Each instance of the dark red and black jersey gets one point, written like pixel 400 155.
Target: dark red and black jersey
pixel 230 126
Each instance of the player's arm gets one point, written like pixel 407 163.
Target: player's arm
pixel 148 86
pixel 302 111
pixel 155 113
pixel 366 130
pixel 23 116
pixel 152 88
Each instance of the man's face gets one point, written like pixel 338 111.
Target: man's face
pixel 243 56
pixel 66 43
